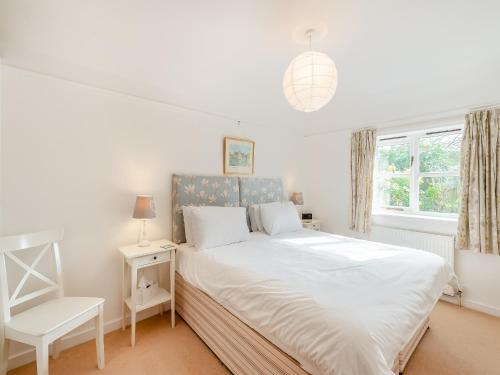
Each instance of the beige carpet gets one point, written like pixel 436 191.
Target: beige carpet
pixel 460 342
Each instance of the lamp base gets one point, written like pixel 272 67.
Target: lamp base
pixel 143 238
pixel 144 243
pixel 300 209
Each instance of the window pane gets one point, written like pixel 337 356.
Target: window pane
pixel 439 194
pixel 393 158
pixel 394 192
pixel 440 153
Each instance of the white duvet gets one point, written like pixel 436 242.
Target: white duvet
pixel 336 304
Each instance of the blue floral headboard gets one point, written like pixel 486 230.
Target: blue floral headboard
pixel 260 190
pixel 193 190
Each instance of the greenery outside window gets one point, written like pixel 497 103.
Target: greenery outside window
pixel 418 173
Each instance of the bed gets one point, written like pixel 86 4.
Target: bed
pixel 301 302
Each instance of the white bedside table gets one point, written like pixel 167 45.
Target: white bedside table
pixel 135 258
pixel 313 224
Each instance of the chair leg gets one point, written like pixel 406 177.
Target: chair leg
pixel 56 349
pixel 99 341
pixel 133 315
pixel 4 353
pixel 124 316
pixel 42 359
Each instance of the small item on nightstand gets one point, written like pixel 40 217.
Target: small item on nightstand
pixel 146 290
pixel 307 216
pixel 168 247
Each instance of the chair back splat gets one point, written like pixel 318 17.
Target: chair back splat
pixel 8 247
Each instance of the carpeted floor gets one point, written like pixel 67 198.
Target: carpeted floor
pixel 459 342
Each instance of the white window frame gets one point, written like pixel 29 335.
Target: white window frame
pixel 412 138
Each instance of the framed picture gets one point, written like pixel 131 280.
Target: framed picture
pixel 238 156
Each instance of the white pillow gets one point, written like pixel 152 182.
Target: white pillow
pixel 218 226
pixel 251 215
pixel 186 212
pixel 258 219
pixel 280 217
pixel 255 221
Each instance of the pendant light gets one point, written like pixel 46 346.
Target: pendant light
pixel 310 80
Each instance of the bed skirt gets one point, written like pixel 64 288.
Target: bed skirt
pixel 242 349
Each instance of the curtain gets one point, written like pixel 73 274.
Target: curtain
pixel 478 223
pixel 362 160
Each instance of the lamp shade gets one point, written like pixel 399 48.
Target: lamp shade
pixel 310 81
pixel 144 207
pixel 298 198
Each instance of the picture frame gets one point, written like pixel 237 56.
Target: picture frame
pixel 239 156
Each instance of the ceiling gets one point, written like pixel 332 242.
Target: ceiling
pixel 396 59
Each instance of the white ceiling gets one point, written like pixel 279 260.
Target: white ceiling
pixel 395 58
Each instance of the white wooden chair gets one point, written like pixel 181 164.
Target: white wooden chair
pixel 48 321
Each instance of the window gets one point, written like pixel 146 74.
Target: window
pixel 418 173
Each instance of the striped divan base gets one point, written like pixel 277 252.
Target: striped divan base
pixel 242 350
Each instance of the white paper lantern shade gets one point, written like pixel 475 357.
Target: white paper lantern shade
pixel 310 81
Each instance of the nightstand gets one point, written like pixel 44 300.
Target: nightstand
pixel 136 257
pixel 313 224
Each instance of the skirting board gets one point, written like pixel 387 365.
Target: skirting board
pixel 477 306
pixel 490 310
pixel 77 337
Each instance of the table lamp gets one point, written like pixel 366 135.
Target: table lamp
pixel 298 200
pixel 144 209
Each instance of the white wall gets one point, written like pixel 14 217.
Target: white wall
pixel 328 197
pixel 75 156
pixel 327 192
pixel 1 90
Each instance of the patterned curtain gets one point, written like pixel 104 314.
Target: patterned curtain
pixel 362 159
pixel 479 220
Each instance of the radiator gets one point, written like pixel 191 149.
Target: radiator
pixel 438 244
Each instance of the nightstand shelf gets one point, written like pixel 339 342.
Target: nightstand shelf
pixel 163 296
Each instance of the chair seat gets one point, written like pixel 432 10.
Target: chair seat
pixel 46 317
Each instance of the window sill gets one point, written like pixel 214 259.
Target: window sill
pixel 430 224
pixel 417 216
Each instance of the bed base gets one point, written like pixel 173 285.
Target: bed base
pixel 242 349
